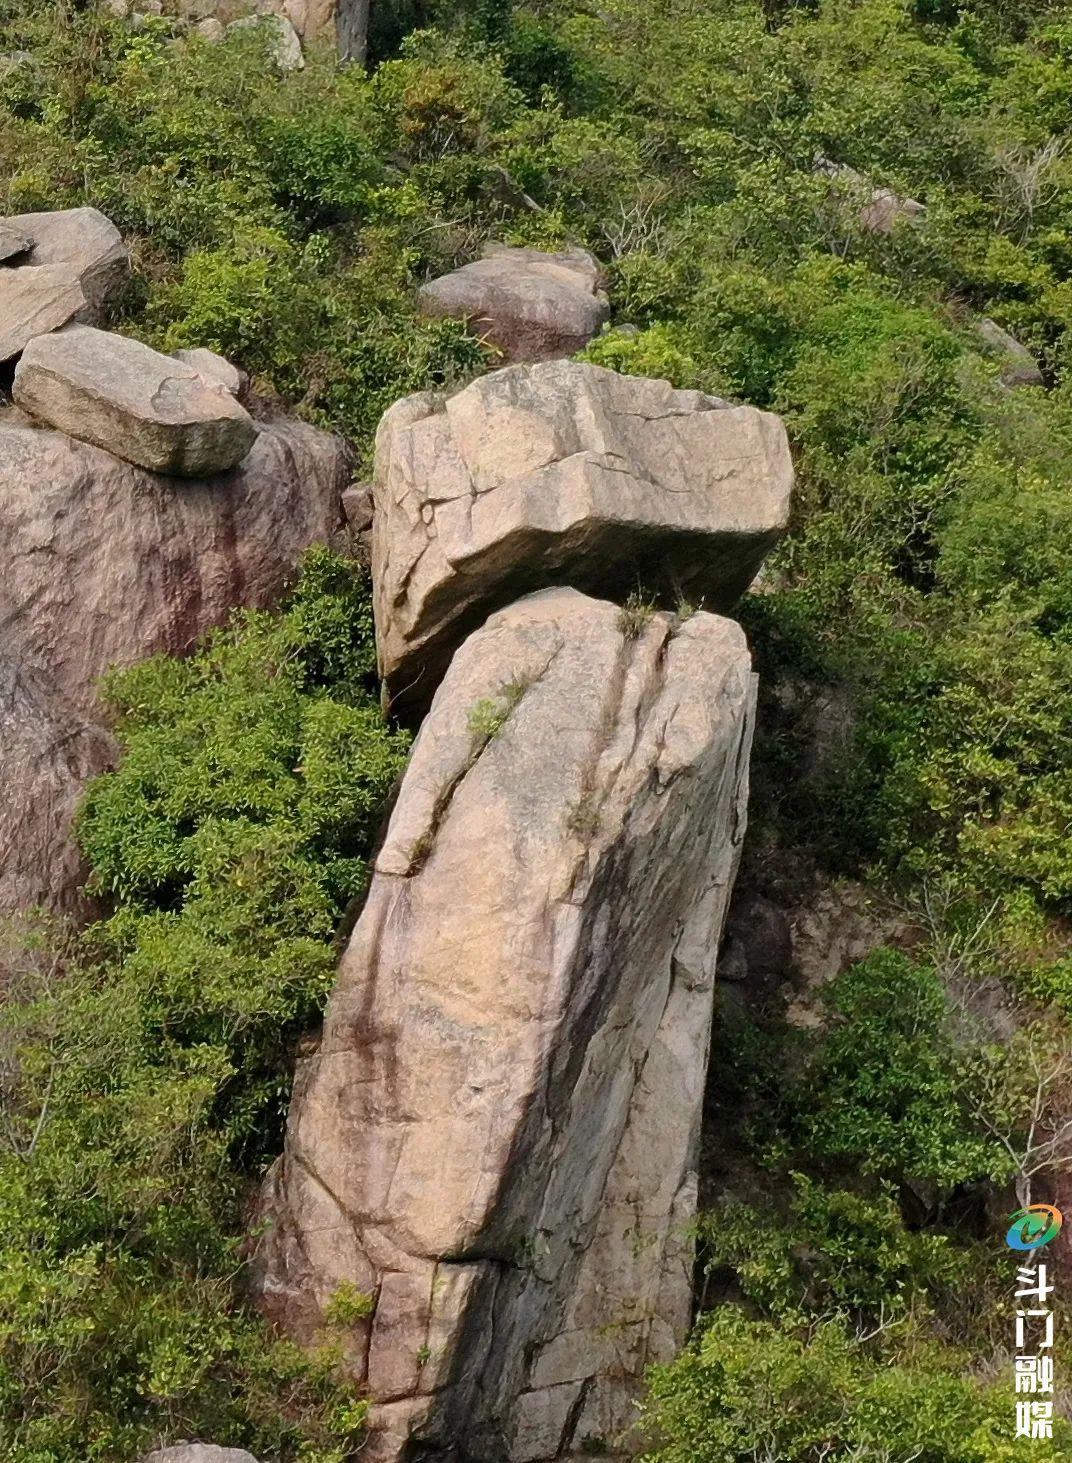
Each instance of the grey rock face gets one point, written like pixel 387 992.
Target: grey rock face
pixel 106 564
pixel 531 305
pixel 35 299
pixel 562 474
pixel 1018 365
pixel 123 396
pixel 83 241
pixel 497 1136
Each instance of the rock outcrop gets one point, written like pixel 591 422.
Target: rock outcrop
pixel 496 1138
pixel 106 564
pixel 150 409
pixel 562 473
pixel 532 306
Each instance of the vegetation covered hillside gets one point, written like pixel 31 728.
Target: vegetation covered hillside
pixel 715 154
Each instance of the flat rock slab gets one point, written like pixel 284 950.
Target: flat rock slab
pixel 532 306
pixel 35 299
pixel 497 1138
pixel 83 241
pixel 562 473
pixel 145 407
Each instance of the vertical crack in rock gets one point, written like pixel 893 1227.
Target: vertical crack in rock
pixel 497 1136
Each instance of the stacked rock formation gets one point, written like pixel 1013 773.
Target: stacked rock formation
pixel 496 1139
pixel 108 557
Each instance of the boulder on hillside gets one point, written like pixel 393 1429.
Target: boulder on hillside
pixel 121 395
pixel 83 241
pixel 106 564
pixel 531 305
pixel 496 1139
pixel 215 369
pixel 34 300
pixel 562 473
pixel 1018 365
pixel 887 209
pixel 879 210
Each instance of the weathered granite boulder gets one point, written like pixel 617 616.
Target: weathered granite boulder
pixel 84 242
pixel 531 305
pixel 48 752
pixel 562 473
pixel 216 369
pixel 35 299
pixel 1018 365
pixel 198 1453
pixel 123 396
pixel 496 1138
pixel 105 564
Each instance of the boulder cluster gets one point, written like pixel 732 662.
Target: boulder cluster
pixel 139 504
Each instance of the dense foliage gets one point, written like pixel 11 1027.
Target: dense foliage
pixel 144 1068
pixel 926 586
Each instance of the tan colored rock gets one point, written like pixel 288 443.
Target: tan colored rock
pixel 562 473
pixel 106 564
pixel 35 299
pixel 531 305
pixel 123 396
pixel 85 242
pixel 215 369
pixel 497 1135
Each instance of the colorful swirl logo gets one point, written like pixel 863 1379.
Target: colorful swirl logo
pixel 1031 1228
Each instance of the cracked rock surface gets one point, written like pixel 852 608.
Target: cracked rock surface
pixel 496 1138
pixel 150 409
pixel 562 473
